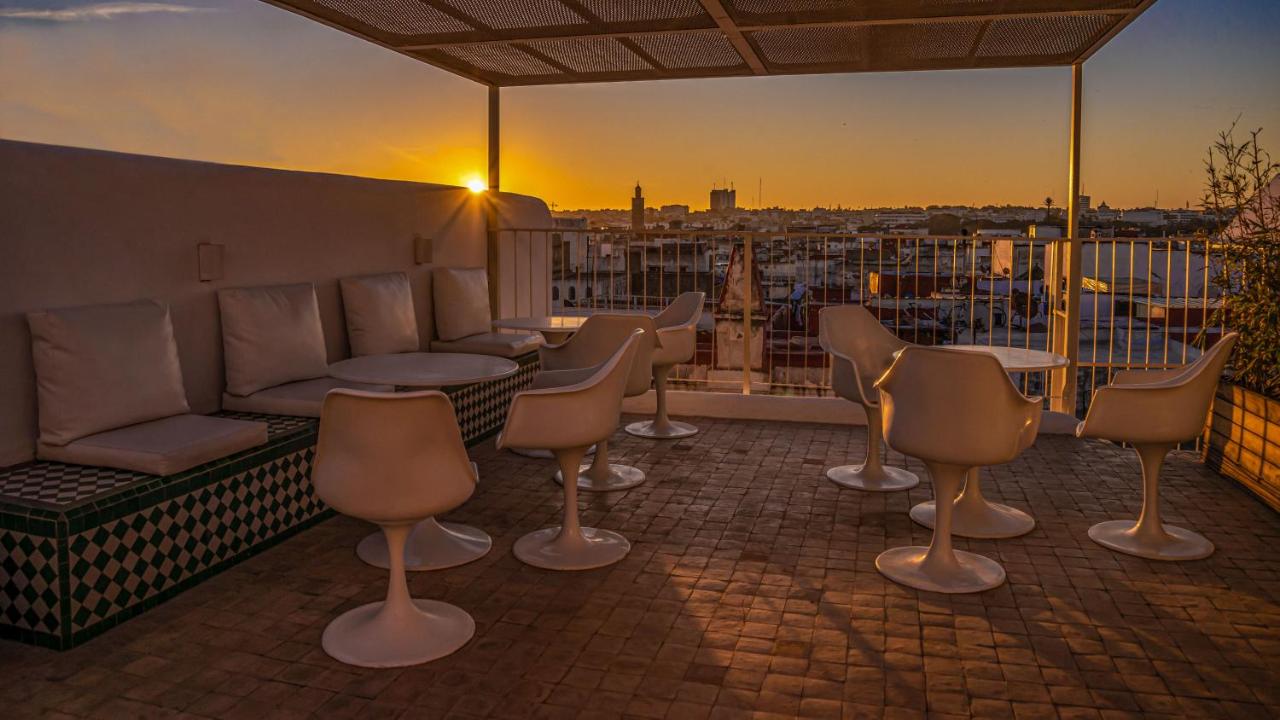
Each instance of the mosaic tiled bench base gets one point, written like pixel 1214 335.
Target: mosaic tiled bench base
pixel 83 549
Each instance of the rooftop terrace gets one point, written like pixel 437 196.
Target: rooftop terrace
pixel 749 592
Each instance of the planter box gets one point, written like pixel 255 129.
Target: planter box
pixel 1242 441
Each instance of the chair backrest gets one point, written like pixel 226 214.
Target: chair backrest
pixel 573 416
pixel 954 407
pixel 599 338
pixel 391 457
pixel 684 311
pixel 852 331
pixel 1171 410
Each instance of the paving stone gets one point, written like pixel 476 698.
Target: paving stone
pixel 750 591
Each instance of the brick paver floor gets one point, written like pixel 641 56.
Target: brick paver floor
pixel 750 592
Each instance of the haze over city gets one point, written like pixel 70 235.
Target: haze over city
pixel 240 81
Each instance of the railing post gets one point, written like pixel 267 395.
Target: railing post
pixel 748 254
pixel 1066 332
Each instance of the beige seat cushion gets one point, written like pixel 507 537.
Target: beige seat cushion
pixel 300 399
pixel 271 336
pixel 461 300
pixel 507 345
pixel 104 367
pixel 161 447
pixel 380 316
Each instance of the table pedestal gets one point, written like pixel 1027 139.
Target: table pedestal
pixel 976 517
pixel 431 546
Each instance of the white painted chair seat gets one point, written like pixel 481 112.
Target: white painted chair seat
pixel 394 460
pixel 861 351
pixel 677 327
pixel 955 411
pixel 567 419
pixel 1154 410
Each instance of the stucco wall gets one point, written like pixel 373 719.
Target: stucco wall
pixel 83 227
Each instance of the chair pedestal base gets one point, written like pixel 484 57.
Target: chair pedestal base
pixel 671 431
pixel 976 517
pixel 874 479
pixel 382 634
pixel 985 521
pixel 589 548
pixel 541 454
pixel 620 477
pixel 431 546
pixel 1174 543
pixel 963 572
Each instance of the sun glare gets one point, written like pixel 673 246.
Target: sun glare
pixel 476 185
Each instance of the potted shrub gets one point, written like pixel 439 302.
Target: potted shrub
pixel 1243 434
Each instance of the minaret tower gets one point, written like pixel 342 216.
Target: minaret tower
pixel 637 210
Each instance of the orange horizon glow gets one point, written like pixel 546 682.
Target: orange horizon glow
pixel 246 83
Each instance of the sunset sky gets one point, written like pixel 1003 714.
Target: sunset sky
pixel 240 81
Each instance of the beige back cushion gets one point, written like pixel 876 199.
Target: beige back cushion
pixel 104 367
pixel 271 336
pixel 461 300
pixel 380 316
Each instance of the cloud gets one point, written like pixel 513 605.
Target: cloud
pixel 96 11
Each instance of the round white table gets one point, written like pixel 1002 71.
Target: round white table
pixel 423 370
pixel 555 329
pixel 975 516
pixel 432 545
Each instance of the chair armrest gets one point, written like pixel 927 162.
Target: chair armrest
pixel 1145 377
pixel 847 382
pixel 547 379
pixel 1142 413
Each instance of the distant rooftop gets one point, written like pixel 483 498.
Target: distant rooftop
pixel 539 42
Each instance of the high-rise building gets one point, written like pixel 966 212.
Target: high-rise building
pixel 724 199
pixel 637 209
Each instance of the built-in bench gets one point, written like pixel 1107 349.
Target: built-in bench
pixel 84 548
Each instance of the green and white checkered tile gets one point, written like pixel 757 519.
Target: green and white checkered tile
pixel 127 561
pixel 482 408
pixel 29 582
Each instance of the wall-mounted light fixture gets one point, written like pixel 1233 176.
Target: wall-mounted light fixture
pixel 422 250
pixel 209 261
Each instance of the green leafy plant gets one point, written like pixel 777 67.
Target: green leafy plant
pixel 1243 191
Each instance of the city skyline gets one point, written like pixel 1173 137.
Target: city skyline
pixel 239 81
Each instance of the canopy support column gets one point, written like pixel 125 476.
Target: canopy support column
pixel 492 254
pixel 1067 268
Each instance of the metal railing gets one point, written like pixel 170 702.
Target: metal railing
pixel 1146 302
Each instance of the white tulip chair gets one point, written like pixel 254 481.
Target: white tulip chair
pixel 582 407
pixel 596 341
pixel 1154 411
pixel 393 460
pixel 861 351
pixel 955 411
pixel 677 340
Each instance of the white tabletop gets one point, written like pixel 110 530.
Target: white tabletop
pixel 423 370
pixel 1016 359
pixel 544 323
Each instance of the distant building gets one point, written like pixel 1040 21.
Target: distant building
pixel 673 212
pixel 637 209
pixel 1143 216
pixel 1083 202
pixel 1041 230
pixel 902 219
pixel 1105 213
pixel 723 199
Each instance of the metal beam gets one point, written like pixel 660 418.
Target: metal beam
pixel 502 37
pixel 734 35
pixel 1066 335
pixel 1114 30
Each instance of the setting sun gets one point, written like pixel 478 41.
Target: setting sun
pixel 476 185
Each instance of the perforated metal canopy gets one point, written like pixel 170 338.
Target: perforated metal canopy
pixel 539 42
